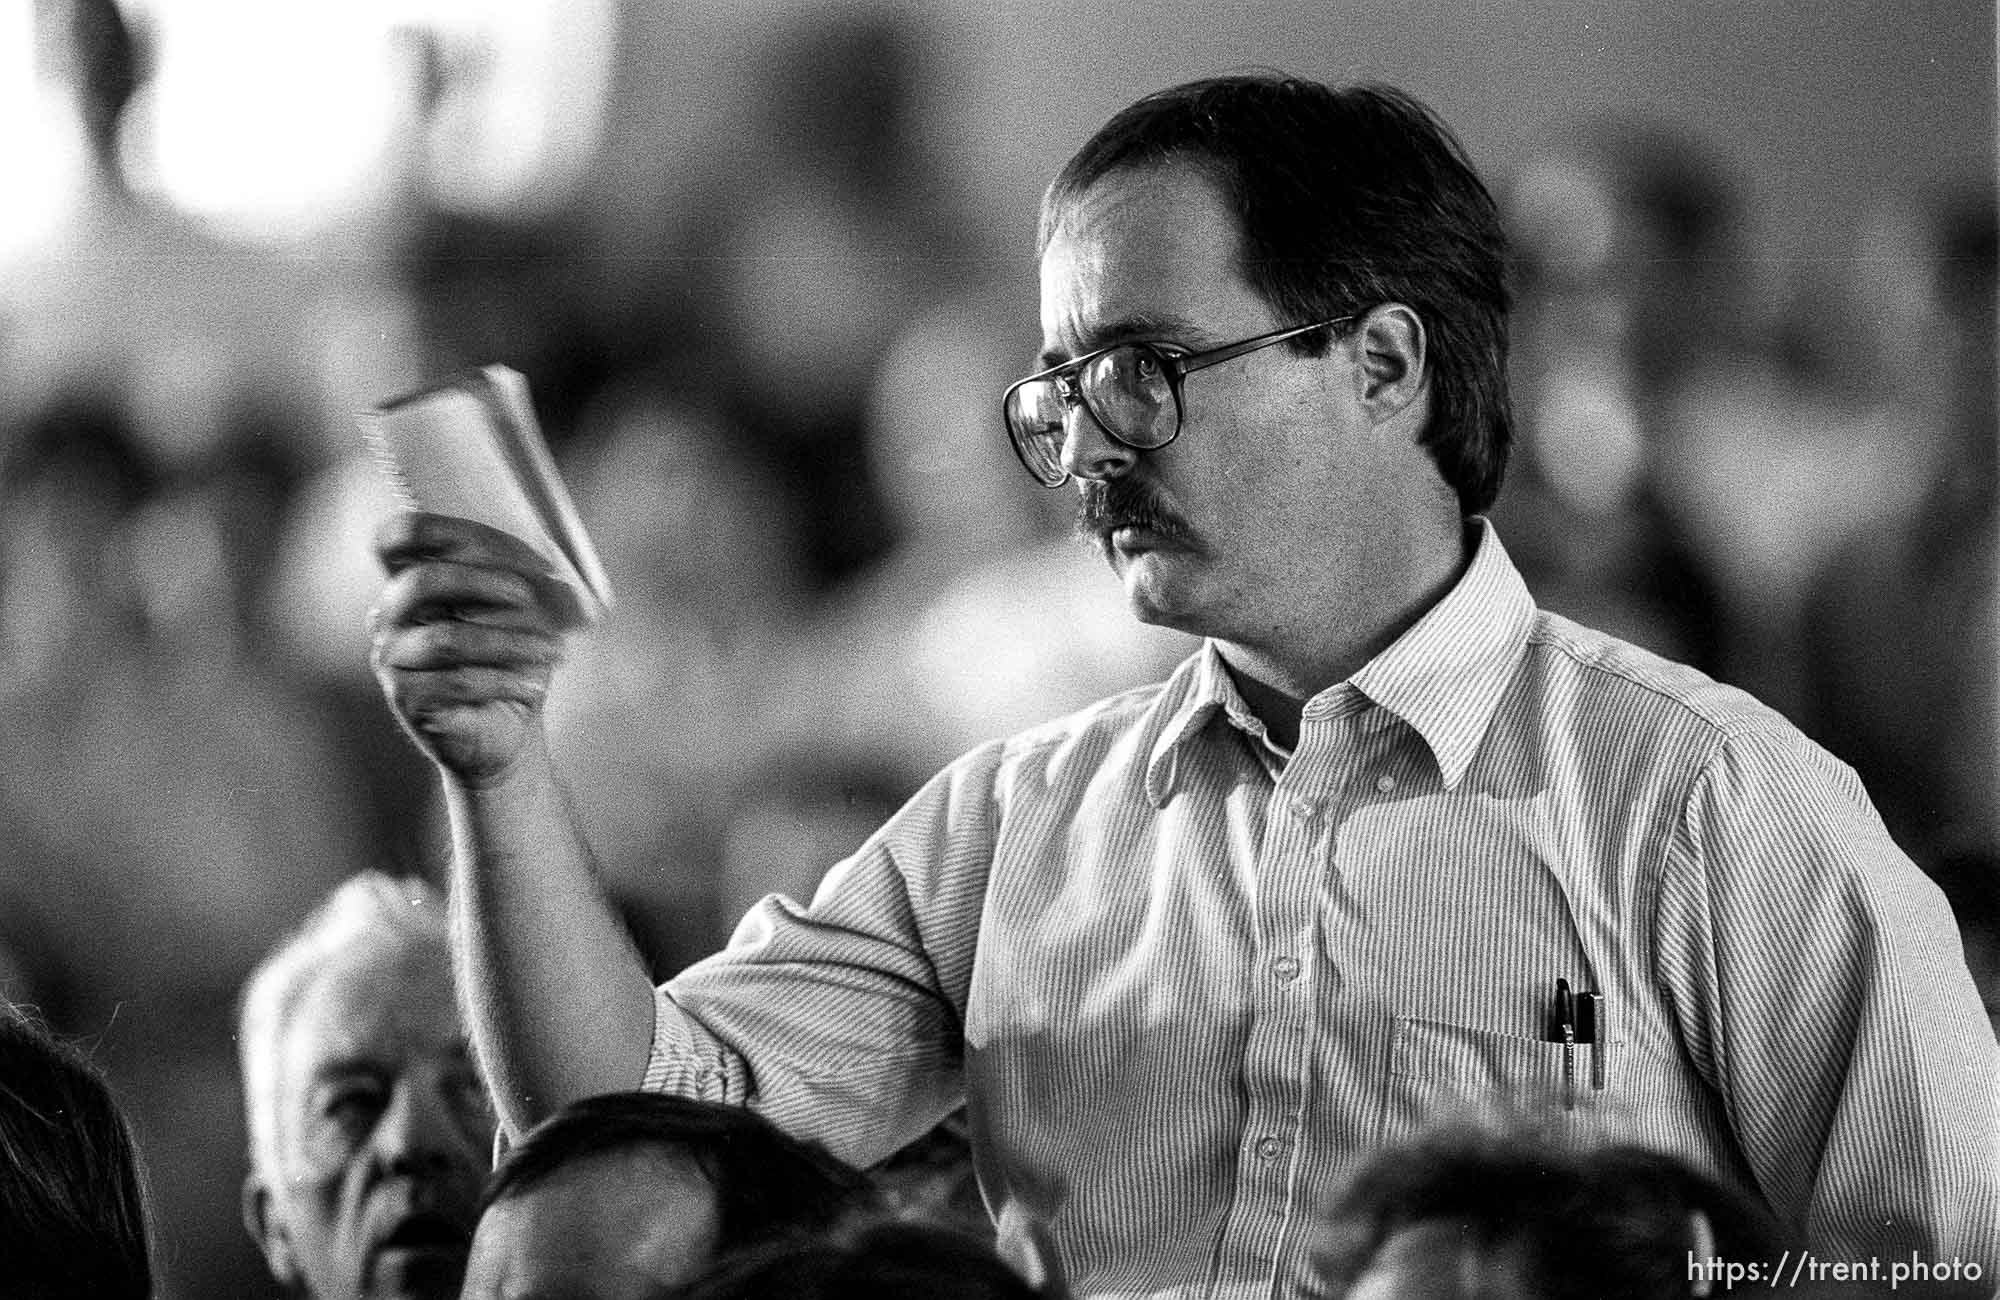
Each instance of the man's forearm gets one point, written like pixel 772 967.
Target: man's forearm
pixel 559 1002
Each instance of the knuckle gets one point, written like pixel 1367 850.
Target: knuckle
pixel 434 641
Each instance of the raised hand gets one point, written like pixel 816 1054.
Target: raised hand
pixel 466 636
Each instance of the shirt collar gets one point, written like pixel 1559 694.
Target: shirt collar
pixel 1204 689
pixel 1443 677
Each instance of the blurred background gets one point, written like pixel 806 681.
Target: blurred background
pixel 768 267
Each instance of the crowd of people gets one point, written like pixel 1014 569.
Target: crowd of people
pixel 833 580
pixel 372 1174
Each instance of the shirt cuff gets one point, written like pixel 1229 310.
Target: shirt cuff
pixel 669 1043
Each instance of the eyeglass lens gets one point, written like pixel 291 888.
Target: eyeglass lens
pixel 1126 389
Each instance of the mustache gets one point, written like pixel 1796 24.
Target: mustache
pixel 1107 504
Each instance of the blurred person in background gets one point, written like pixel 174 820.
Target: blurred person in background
pixel 158 762
pixel 829 220
pixel 163 386
pixel 72 1202
pixel 1385 810
pixel 619 1196
pixel 1623 288
pixel 369 1126
pixel 1786 436
pixel 1901 633
pixel 1465 1214
pixel 157 767
pixel 710 602
pixel 129 294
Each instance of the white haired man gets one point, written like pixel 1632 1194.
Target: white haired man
pixel 369 1125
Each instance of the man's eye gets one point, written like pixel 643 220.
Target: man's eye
pixel 352 1108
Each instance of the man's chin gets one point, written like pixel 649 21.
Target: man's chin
pixel 1153 591
pixel 426 1272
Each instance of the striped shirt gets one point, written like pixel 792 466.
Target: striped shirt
pixel 1186 982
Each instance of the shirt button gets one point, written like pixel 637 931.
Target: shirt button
pixel 1305 809
pixel 1269 1148
pixel 1385 783
pixel 1286 968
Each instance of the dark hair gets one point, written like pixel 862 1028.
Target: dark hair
pixel 1618 1220
pixel 1347 198
pixel 72 1208
pixel 881 1260
pixel 83 437
pixel 766 1182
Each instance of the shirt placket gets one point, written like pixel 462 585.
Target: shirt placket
pixel 1286 977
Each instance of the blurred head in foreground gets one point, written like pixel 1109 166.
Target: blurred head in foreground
pixel 1464 1214
pixel 72 1212
pixel 871 1261
pixel 369 1125
pixel 619 1197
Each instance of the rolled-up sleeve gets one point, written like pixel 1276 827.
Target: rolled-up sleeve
pixel 843 1021
pixel 1821 988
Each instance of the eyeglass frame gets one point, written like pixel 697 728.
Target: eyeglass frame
pixel 1176 366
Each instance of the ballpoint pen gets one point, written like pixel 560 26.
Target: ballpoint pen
pixel 1566 1025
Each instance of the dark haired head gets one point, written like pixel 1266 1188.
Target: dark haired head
pixel 766 1182
pixel 1346 199
pixel 1619 1220
pixel 82 440
pixel 72 1212
pixel 870 1261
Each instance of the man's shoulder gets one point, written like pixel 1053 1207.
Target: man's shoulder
pixel 1642 688
pixel 1637 721
pixel 1113 717
pixel 1125 723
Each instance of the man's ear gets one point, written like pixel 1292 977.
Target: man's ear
pixel 1394 360
pixel 267 1229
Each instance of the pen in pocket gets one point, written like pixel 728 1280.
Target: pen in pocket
pixel 1580 1018
pixel 1566 1029
pixel 1591 1028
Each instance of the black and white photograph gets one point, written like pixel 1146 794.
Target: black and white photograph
pixel 852 649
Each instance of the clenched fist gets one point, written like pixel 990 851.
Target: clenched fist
pixel 467 633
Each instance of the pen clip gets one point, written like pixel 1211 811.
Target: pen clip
pixel 1563 1021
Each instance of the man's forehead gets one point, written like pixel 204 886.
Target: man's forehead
pixel 1139 192
pixel 1145 220
pixel 380 1002
pixel 1155 245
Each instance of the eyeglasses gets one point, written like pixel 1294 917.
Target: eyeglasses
pixel 1132 391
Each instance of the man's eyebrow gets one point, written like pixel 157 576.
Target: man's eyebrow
pixel 346 1067
pixel 1151 326
pixel 364 1065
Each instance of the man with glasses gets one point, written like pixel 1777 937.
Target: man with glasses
pixel 1393 846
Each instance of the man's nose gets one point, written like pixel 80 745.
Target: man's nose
pixel 1088 452
pixel 417 1134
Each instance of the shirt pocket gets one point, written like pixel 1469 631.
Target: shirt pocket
pixel 1440 1073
